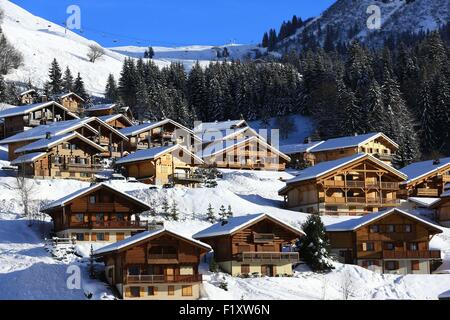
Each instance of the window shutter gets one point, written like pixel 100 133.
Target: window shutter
pixel 364 246
pixel 127 292
pixel 93 237
pixel 263 269
pixel 86 236
pixel 106 236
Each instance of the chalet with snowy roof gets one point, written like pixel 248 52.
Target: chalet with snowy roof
pixel 300 153
pixel 117 121
pixel 19 119
pixel 92 128
pixel 157 134
pixel 173 164
pixel 109 109
pixel 376 144
pixel 255 243
pixel 390 241
pixel 67 156
pixel 204 127
pixel 70 100
pixel 426 178
pixel 30 96
pixel 355 185
pixel 251 153
pixel 442 207
pixel 158 264
pixel 98 213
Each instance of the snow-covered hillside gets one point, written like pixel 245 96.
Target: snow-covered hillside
pixel 28 271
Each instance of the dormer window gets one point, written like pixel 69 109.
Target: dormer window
pixel 92 199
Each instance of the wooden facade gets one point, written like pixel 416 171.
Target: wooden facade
pixel 252 153
pixel 174 165
pixel 73 102
pixel 262 247
pixel 442 208
pixel 118 121
pixel 158 265
pixel 355 187
pixel 29 97
pixel 394 242
pixel 72 158
pixel 97 214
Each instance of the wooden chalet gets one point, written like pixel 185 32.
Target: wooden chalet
pixel 442 207
pixel 154 265
pixel 426 178
pixel 117 121
pixel 67 156
pixel 19 119
pixel 354 185
pixel 162 165
pixel 390 241
pixel 376 144
pixel 30 96
pixel 257 243
pixel 102 110
pixel 73 102
pixel 98 213
pixel 157 134
pixel 300 153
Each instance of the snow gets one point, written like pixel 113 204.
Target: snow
pixel 425 202
pixel 16 111
pixel 137 129
pixel 234 224
pixel 299 147
pixel 219 126
pixel 112 117
pixel 101 107
pixel 152 153
pixel 417 170
pixel 29 157
pixel 350 141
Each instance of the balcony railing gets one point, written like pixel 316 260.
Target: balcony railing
pixel 143 278
pixel 185 177
pixel 360 200
pixel 263 237
pixel 269 256
pixel 162 256
pixel 422 254
pixel 110 225
pixel 362 184
pixel 446 178
pixel 427 192
pixel 384 156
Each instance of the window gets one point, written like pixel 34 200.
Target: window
pixel 72 174
pixel 245 269
pixel 120 236
pixel 79 236
pixel 391 265
pixel 120 217
pixel 100 237
pixel 134 270
pixel 368 246
pixel 99 217
pixel 151 291
pixel 390 246
pixel 413 246
pixel 415 265
pixel 77 217
pixel 85 175
pixel 170 290
pixel 408 228
pixel 135 292
pixel 92 199
pixel 390 228
pixel 374 228
pixel 186 291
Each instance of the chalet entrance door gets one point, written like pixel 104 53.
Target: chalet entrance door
pixel 267 270
pixel 170 274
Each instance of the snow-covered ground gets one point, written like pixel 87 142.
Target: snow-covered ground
pixel 28 271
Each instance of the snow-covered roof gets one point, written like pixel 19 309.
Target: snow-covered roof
pixel 66 199
pixel 238 223
pixel 137 129
pixel 55 140
pixel 113 117
pixel 328 166
pixel 222 146
pixel 354 224
pixel 26 92
pixel 100 107
pixel 219 125
pixel 54 128
pixel 418 170
pixel 144 236
pixel 424 202
pixel 21 110
pixel 29 157
pixel 152 153
pixel 351 141
pixel 66 94
pixel 299 147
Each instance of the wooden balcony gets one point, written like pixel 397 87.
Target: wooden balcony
pixel 291 257
pixel 424 192
pixel 362 184
pixel 360 200
pixel 445 178
pixel 423 254
pixel 384 156
pixel 110 225
pixel 185 178
pixel 143 278
pixel 263 237
pixel 162 258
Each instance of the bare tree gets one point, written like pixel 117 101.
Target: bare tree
pixel 95 52
pixel 25 189
pixel 347 285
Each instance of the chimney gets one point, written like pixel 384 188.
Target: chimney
pixel 355 134
pixel 436 162
pixel 48 135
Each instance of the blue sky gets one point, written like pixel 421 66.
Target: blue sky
pixel 176 22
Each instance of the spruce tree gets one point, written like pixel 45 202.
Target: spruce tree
pixel 174 211
pixel 78 87
pixel 229 212
pixel 165 213
pixel 314 247
pixel 427 119
pixel 67 82
pixel 2 89
pixel 210 216
pixel 223 213
pixel 111 91
pixel 55 75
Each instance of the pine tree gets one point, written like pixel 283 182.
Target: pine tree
pixel 314 246
pixel 2 89
pixel 229 212
pixel 78 87
pixel 174 211
pixel 427 120
pixel 55 75
pixel 128 83
pixel 67 82
pixel 210 216
pixel 165 208
pixel 265 40
pixel 223 213
pixel 111 91
pixel 91 263
pixel 150 53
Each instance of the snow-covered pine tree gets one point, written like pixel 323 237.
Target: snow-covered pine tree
pixel 314 246
pixel 223 213
pixel 210 216
pixel 2 89
pixel 174 211
pixel 165 208
pixel 373 103
pixel 229 212
pixel 67 82
pixel 78 87
pixel 197 91
pixel 128 83
pixel 111 91
pixel 55 75
pixel 427 119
